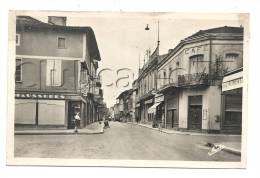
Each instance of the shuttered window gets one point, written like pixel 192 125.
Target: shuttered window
pixel 233 110
pixel 196 64
pixel 233 103
pixel 61 42
pixel 18 71
pixel 53 77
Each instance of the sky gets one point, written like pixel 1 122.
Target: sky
pixel 123 40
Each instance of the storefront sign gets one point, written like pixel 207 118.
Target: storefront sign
pixel 39 96
pixel 196 49
pixel 233 81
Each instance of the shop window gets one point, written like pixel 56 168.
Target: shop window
pixel 53 77
pixel 18 71
pixel 196 64
pixel 17 39
pixel 233 118
pixel 233 109
pixel 61 42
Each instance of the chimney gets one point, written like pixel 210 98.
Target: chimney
pixel 55 20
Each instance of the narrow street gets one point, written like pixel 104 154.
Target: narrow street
pixel 122 141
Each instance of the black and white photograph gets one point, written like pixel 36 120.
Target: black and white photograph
pixel 131 89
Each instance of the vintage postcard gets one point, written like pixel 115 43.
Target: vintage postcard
pixel 127 89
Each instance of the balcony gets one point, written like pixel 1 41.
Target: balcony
pixel 196 79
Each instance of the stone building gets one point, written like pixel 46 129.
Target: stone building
pixel 191 79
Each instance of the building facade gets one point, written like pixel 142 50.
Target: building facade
pixel 56 73
pixel 232 97
pixel 191 78
pixel 125 106
pixel 146 87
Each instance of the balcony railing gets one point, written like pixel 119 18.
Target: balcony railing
pixel 193 79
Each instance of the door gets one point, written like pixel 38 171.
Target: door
pixel 172 119
pixel 169 120
pixel 73 108
pixel 195 113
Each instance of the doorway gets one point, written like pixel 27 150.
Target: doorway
pixel 172 119
pixel 73 108
pixel 195 113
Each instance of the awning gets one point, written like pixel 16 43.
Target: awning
pixel 152 109
pixel 137 105
pixel 150 101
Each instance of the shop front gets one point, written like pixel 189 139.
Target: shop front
pixel 47 110
pixel 232 92
pixel 156 110
pixel 171 110
pixel 148 116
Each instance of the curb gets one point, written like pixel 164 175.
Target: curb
pixel 184 133
pixel 56 133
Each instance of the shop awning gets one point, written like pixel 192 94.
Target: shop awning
pixel 152 109
pixel 137 105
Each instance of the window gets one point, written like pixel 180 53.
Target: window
pixel 53 77
pixel 232 61
pixel 17 39
pixel 61 42
pixel 233 110
pixel 196 64
pixel 18 71
pixel 164 77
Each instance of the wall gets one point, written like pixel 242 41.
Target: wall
pixel 45 43
pixel 211 107
pixel 34 76
pixel 182 56
pixel 221 48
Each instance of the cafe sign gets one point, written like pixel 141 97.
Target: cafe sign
pixel 233 81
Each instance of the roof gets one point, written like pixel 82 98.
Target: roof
pixel 27 23
pixel 226 31
pixel 218 30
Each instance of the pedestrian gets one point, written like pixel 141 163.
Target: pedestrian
pixel 77 122
pixel 160 127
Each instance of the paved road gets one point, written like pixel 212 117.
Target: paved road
pixel 122 141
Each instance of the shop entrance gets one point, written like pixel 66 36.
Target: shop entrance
pixel 172 119
pixel 195 113
pixel 73 108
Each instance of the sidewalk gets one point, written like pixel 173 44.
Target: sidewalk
pixel 168 131
pixel 94 128
pixel 232 146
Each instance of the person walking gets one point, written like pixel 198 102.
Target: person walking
pixel 77 122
